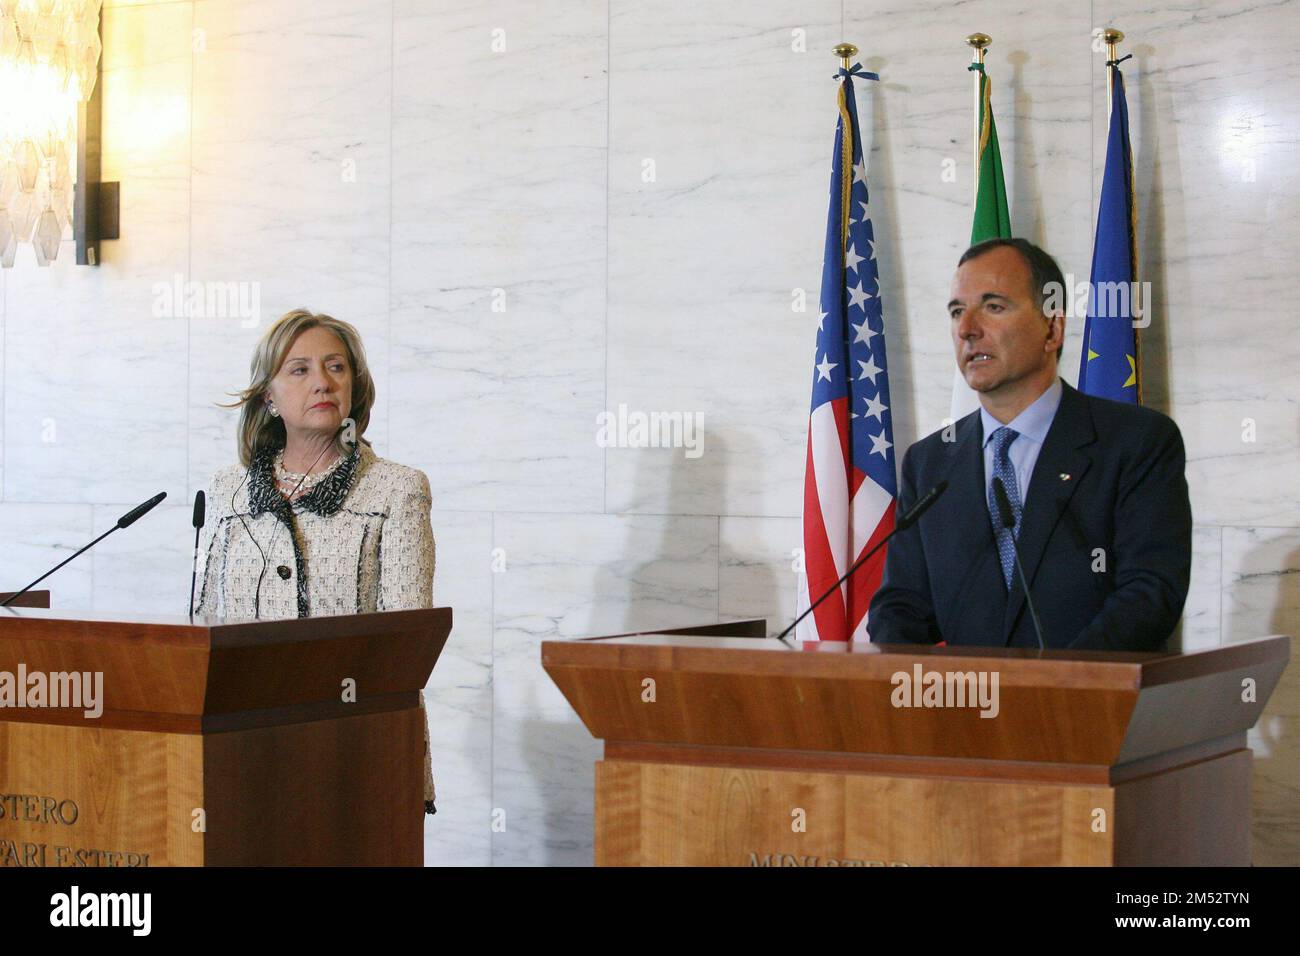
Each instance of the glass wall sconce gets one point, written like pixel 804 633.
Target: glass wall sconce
pixel 50 131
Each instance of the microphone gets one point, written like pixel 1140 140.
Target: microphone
pixel 200 513
pixel 909 518
pixel 126 519
pixel 1008 519
pixel 913 514
pixel 137 512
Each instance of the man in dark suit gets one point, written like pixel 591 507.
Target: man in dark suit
pixel 1096 488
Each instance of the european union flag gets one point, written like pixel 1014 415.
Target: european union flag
pixel 1110 366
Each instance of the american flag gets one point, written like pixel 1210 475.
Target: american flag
pixel 850 482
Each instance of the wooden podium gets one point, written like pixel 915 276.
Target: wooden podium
pixel 219 744
pixel 727 750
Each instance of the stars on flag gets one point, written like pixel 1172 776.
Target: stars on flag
pixel 865 332
pixel 875 407
pixel 858 297
pixel 851 258
pixel 1132 367
pixel 824 368
pixel 869 369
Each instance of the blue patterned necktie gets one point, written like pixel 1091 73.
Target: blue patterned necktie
pixel 1002 468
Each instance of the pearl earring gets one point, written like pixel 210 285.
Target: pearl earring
pixel 271 406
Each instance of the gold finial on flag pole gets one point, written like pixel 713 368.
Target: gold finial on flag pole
pixel 845 51
pixel 978 42
pixel 1112 38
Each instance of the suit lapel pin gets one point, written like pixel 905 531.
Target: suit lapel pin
pixel 1064 476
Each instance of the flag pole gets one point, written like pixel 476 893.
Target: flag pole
pixel 1113 38
pixel 978 42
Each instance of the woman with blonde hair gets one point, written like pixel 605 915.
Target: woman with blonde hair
pixel 311 521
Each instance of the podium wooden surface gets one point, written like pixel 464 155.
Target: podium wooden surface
pixel 219 743
pixel 749 752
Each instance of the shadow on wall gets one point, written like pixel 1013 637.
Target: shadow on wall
pixel 1025 163
pixel 893 274
pixel 655 583
pixel 657 592
pixel 1156 163
pixel 1276 739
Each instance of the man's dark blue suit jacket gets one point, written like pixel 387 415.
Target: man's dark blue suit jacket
pixel 1109 477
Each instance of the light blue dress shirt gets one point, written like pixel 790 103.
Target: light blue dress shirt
pixel 1032 425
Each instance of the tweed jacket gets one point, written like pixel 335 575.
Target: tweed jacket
pixel 359 541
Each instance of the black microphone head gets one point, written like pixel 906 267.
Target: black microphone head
pixel 913 514
pixel 200 508
pixel 140 509
pixel 1005 514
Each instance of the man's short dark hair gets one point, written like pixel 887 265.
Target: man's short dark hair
pixel 1044 273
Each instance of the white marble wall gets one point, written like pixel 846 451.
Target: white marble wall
pixel 487 218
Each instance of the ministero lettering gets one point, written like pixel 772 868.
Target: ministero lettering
pixel 37 808
pixel 793 859
pixel 32 808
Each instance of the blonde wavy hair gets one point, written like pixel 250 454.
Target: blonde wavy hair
pixel 258 428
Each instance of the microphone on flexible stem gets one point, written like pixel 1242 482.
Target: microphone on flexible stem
pixel 200 513
pixel 1008 519
pixel 909 518
pixel 126 519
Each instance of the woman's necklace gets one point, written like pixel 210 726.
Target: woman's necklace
pixel 288 481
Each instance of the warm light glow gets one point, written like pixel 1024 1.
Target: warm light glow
pixel 49 59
